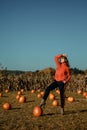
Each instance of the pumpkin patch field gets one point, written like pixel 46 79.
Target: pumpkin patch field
pixel 21 114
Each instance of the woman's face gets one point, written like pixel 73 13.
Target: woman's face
pixel 62 59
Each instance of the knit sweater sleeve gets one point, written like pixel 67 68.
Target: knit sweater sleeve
pixel 56 59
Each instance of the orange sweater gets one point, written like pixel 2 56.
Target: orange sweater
pixel 62 70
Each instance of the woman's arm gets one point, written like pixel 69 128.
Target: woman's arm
pixel 56 59
pixel 68 76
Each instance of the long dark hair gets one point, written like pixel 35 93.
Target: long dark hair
pixel 66 61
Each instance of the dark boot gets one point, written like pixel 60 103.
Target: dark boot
pixel 62 111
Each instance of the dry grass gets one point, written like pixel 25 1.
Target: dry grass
pixel 20 116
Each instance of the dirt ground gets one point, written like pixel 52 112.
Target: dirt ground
pixel 21 117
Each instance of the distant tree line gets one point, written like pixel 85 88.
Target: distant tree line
pixel 77 71
pixel 16 72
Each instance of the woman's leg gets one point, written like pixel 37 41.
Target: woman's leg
pixel 49 88
pixel 47 91
pixel 62 97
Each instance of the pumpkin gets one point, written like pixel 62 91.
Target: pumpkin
pixel 17 96
pixel 79 91
pixel 39 95
pixel 1 94
pixel 19 93
pixel 32 91
pixel 22 90
pixel 55 103
pixel 22 99
pixel 51 96
pixel 85 94
pixel 70 99
pixel 57 91
pixel 37 111
pixel 6 91
pixel 42 93
pixel 6 106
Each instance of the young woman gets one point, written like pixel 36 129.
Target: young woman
pixel 62 76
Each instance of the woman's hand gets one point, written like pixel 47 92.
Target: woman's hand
pixel 64 81
pixel 64 55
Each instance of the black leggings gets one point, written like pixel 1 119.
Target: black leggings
pixel 51 87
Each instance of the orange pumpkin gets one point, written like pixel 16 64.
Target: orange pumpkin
pixel 37 111
pixel 7 106
pixel 22 90
pixel 17 96
pixel 51 96
pixel 22 99
pixel 32 91
pixel 42 93
pixel 6 91
pixel 85 94
pixel 55 103
pixel 70 99
pixel 79 91
pixel 57 91
pixel 19 93
pixel 39 95
pixel 1 94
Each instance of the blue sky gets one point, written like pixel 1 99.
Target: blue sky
pixel 32 32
